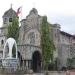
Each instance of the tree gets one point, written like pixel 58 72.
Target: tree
pixel 47 44
pixel 13 31
pixel 70 63
pixel 13 28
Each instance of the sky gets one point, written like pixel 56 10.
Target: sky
pixel 58 11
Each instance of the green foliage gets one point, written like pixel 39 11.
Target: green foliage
pixel 71 63
pixel 47 44
pixel 13 28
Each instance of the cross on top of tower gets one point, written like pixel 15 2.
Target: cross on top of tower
pixel 11 5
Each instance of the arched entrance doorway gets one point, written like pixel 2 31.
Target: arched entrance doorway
pixel 36 61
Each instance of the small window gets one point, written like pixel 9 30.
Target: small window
pixel 5 20
pixel 2 42
pixel 10 19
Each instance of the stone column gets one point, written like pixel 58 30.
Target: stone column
pixel 30 64
pixel 27 64
pixel 16 51
pixel 23 64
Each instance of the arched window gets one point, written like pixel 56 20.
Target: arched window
pixel 31 36
pixel 2 42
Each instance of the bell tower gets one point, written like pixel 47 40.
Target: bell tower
pixel 7 19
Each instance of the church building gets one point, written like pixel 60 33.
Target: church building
pixel 29 41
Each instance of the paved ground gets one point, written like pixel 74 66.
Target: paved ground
pixel 71 73
pixel 64 73
pixel 51 73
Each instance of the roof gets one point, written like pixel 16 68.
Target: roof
pixel 23 20
pixel 3 27
pixel 34 10
pixel 9 13
pixel 67 34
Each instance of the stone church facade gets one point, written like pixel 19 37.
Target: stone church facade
pixel 29 40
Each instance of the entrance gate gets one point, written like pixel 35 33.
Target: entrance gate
pixel 36 61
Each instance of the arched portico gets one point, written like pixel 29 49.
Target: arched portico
pixel 36 61
pixel 10 49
